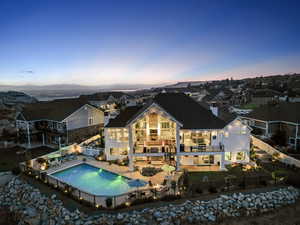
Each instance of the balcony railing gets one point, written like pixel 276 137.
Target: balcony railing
pixel 201 148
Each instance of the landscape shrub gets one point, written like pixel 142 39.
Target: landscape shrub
pixel 293 181
pixel 170 197
pixel 212 189
pixel 150 171
pixel 199 190
pixel 142 201
pixel 16 171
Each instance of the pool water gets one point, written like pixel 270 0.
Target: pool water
pixel 94 180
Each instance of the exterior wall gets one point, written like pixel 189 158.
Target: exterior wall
pixel 80 134
pixel 117 143
pixel 80 118
pixel 236 139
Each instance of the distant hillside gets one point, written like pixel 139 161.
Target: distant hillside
pixel 186 84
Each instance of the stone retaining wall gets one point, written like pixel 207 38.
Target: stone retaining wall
pixel 35 208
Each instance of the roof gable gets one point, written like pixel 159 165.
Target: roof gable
pixel 56 110
pixel 178 106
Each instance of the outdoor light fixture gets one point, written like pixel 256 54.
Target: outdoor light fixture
pixel 127 203
pixel 36 177
pixel 97 206
pixel 80 198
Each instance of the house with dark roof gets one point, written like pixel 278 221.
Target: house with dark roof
pixel 268 119
pixel 173 128
pixel 108 101
pixel 264 96
pixel 58 122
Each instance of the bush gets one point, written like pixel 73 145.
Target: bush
pixel 150 171
pixel 212 189
pixel 242 184
pixel 142 201
pixel 293 181
pixel 170 197
pixel 16 171
pixel 199 190
pixel 108 202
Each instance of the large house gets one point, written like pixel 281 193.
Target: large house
pixel 173 128
pixel 58 122
pixel 268 119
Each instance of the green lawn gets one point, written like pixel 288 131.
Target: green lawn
pixel 249 106
pixel 196 177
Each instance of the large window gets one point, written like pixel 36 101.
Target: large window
pixel 165 125
pixel 118 151
pixel 240 156
pixel 228 156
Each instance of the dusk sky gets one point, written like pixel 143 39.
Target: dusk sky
pixel 133 42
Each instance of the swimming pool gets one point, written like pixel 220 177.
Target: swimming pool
pixel 94 180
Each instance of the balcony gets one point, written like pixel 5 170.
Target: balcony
pixel 200 148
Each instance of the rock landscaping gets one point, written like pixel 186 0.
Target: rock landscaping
pixel 35 208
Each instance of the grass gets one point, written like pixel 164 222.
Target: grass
pixel 218 176
pixel 249 106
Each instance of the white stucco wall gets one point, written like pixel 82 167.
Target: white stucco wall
pixel 111 143
pixel 80 118
pixel 235 141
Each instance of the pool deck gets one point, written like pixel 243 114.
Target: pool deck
pixel 122 170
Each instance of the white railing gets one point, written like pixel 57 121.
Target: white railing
pixel 271 150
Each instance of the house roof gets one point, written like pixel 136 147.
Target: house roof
pixel 284 111
pixel 102 96
pixel 259 93
pixel 124 116
pixel 56 110
pixel 183 108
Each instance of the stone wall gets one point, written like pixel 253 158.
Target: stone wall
pixel 35 208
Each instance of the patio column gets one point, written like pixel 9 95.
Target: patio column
pixel 222 166
pixel 130 153
pixel 177 148
pixel 43 137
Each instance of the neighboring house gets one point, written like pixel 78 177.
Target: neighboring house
pixel 220 97
pixel 173 128
pixel 267 119
pixel 108 101
pixel 58 122
pixel 264 96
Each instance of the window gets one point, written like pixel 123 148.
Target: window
pixel 240 156
pixel 91 121
pixel 214 137
pixel 165 125
pixel 228 156
pixel 226 134
pixel 292 141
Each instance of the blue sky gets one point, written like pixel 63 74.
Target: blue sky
pixel 130 42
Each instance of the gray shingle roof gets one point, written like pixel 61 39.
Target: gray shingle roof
pixel 284 111
pixel 56 110
pixel 183 108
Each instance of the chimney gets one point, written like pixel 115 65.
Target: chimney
pixel 214 109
